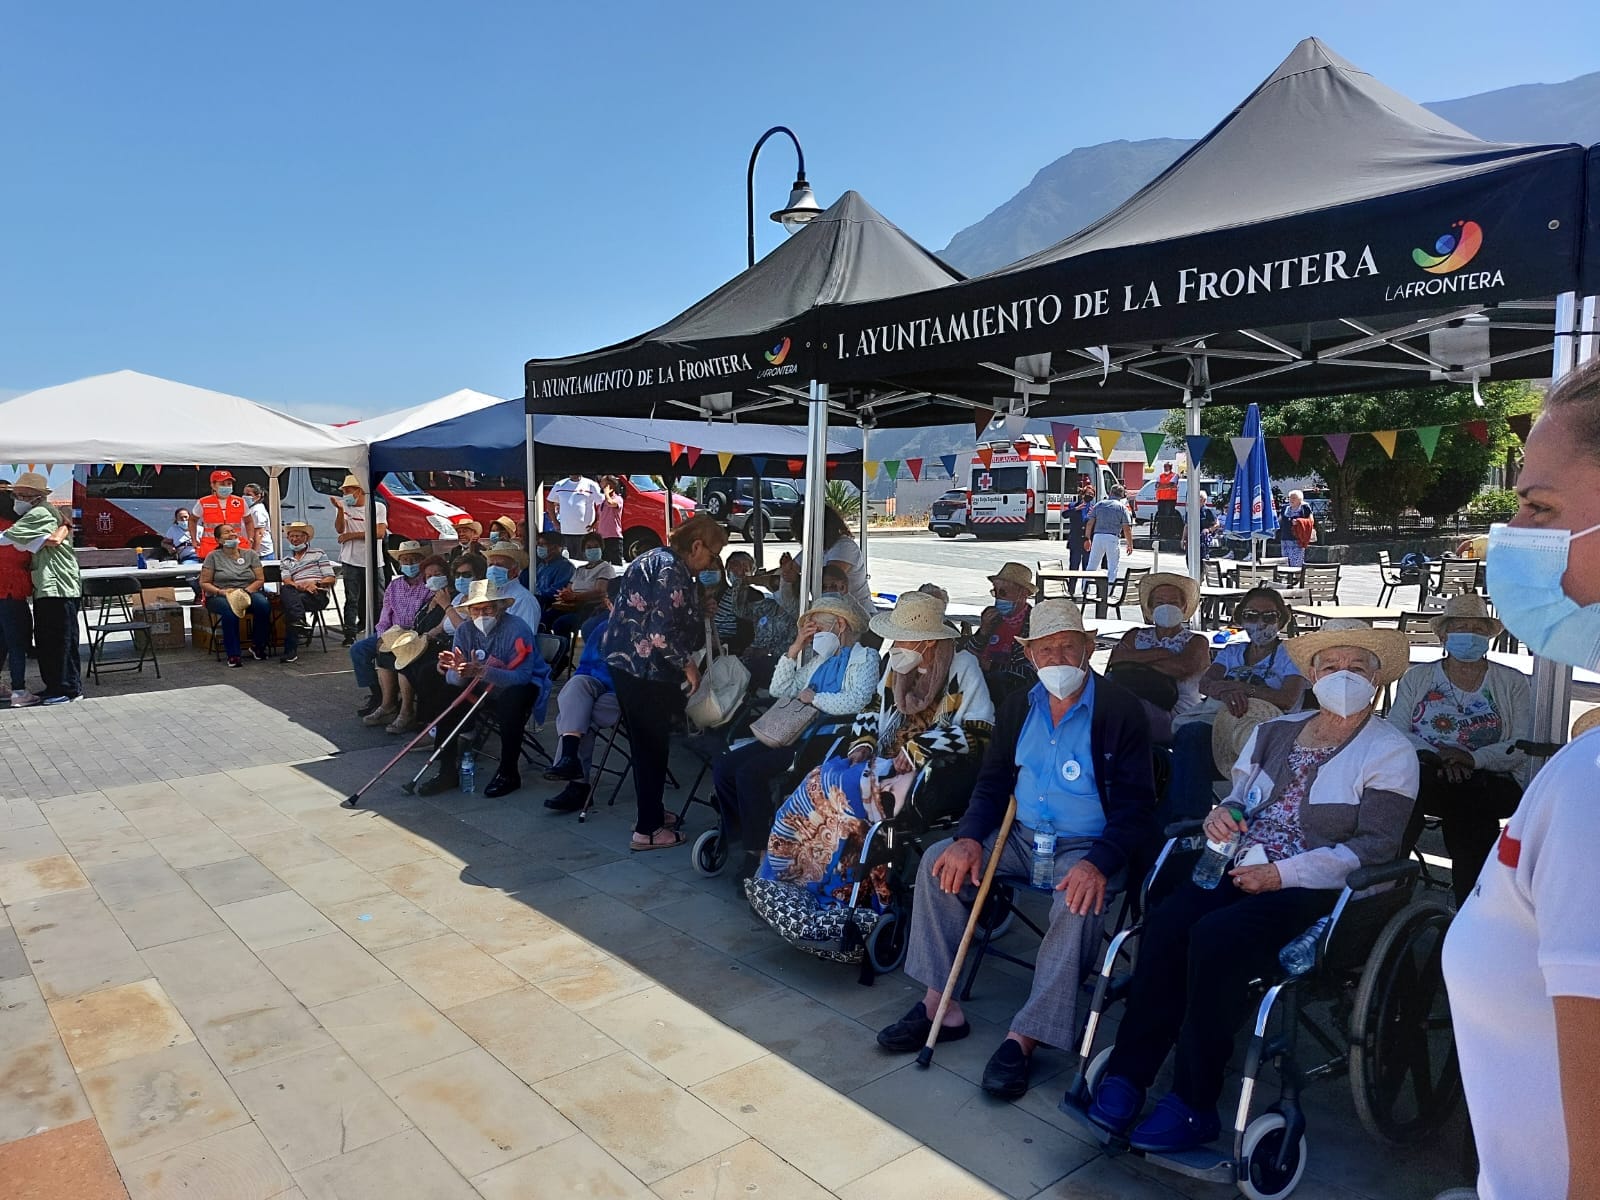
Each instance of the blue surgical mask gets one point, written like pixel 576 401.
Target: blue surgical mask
pixel 1525 567
pixel 224 490
pixel 541 553
pixel 409 570
pixel 711 577
pixel 593 553
pixel 1466 647
pixel 494 536
pixel 436 583
pixel 351 502
pixel 498 576
pixel 1005 607
pixel 231 543
pixel 463 583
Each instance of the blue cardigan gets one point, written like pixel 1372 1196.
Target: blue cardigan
pixel 1119 740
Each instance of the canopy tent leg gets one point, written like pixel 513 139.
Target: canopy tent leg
pixel 816 491
pixel 1552 681
pixel 760 535
pixel 866 430
pixel 1192 404
pixel 275 510
pixel 529 492
pixel 369 544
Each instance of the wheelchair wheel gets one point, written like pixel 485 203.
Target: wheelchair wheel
pixel 1097 1070
pixel 1260 1178
pixel 710 853
pixel 1404 1073
pixel 886 944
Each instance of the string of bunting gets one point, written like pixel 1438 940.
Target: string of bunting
pixel 1339 443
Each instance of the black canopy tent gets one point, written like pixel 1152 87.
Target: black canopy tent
pixel 748 351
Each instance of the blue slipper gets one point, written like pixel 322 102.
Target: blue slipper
pixel 1174 1127
pixel 1117 1105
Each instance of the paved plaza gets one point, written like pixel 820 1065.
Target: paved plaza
pixel 216 983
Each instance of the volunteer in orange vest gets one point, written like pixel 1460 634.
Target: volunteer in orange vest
pixel 1167 485
pixel 221 507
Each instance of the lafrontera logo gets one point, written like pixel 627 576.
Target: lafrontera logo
pixel 1453 250
pixel 778 353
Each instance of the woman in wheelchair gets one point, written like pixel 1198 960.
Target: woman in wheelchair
pixel 1162 663
pixel 825 668
pixel 1315 796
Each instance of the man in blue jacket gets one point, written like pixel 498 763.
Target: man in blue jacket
pixel 499 648
pixel 1075 750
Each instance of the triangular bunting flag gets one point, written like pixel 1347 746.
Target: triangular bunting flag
pixel 871 468
pixel 758 464
pixel 673 451
pixel 1386 439
pixel 724 457
pixel 1521 424
pixel 1242 446
pixel 1108 442
pixel 891 467
pixel 1339 443
pixel 1478 429
pixel 1152 446
pixel 1021 449
pixel 797 466
pixel 915 466
pixel 116 467
pixel 1292 442
pixel 1428 435
pixel 35 466
pixel 158 468
pixel 986 457
pixel 1195 444
pixel 1059 436
pixel 692 453
pixel 981 418
pixel 948 462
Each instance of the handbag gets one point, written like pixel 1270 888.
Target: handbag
pixel 722 688
pixel 783 723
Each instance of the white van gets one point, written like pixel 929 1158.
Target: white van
pixel 1020 494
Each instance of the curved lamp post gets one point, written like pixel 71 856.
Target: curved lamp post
pixel 802 206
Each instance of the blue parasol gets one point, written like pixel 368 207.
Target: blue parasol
pixel 1251 512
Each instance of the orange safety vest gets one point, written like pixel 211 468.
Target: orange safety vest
pixel 1166 488
pixel 216 510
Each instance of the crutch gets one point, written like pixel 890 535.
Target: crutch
pixel 925 1055
pixel 354 799
pixel 410 785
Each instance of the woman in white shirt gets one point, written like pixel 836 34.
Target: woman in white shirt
pixel 1464 714
pixel 1522 959
pixel 837 547
pixel 586 591
pixel 256 510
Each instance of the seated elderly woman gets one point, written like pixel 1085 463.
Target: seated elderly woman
pixel 1162 663
pixel 1257 672
pixel 585 593
pixel 995 643
pixel 586 704
pixel 403 599
pixel 231 580
pixel 824 668
pixel 1315 796
pixel 416 660
pixel 423 638
pixel 1464 715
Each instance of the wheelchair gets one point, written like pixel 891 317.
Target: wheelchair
pixel 1373 1004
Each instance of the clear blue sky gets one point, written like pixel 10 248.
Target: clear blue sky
pixel 344 208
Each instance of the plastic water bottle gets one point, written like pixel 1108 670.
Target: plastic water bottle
pixel 1215 858
pixel 139 558
pixel 469 772
pixel 1044 855
pixel 1300 955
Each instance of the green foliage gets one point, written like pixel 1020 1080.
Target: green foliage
pixel 1488 507
pixel 1368 477
pixel 843 497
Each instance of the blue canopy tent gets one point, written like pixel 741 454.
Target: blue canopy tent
pixel 1251 512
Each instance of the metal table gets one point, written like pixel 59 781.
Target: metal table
pixel 1370 613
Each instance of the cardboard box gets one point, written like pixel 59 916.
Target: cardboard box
pixel 167 628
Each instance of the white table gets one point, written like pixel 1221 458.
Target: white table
pixel 176 571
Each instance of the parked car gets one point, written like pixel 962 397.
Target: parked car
pixel 948 517
pixel 732 501
pixel 1144 503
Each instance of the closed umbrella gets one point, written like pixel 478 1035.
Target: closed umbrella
pixel 1251 512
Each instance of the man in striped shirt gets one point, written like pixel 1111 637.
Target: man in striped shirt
pixel 307 583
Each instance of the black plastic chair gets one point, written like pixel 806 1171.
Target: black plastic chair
pixel 116 615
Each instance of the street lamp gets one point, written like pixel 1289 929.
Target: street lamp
pixel 802 207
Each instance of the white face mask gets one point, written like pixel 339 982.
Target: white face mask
pixel 825 642
pixel 1167 616
pixel 903 660
pixel 1062 681
pixel 485 624
pixel 1344 693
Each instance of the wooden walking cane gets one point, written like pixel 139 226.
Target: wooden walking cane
pixel 925 1055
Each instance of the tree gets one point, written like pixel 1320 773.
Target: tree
pixel 1368 476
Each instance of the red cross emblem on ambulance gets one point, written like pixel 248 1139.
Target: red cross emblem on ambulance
pixel 985 482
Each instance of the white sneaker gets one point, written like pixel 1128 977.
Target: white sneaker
pixel 23 699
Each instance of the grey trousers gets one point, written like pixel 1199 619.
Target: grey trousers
pixel 583 708
pixel 1070 946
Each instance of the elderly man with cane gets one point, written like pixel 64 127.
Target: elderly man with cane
pixel 1075 751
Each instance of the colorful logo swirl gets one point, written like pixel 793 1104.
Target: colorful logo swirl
pixel 778 353
pixel 1453 250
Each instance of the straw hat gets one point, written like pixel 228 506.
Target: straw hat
pixel 917 617
pixel 407 648
pixel 305 527
pixel 1189 588
pixel 1586 722
pixel 1391 646
pixel 1015 572
pixel 33 481
pixel 1468 606
pixel 389 638
pixel 508 524
pixel 408 547
pixel 507 549
pixel 1229 733
pixel 239 601
pixel 843 606
pixel 1054 616
pixel 464 523
pixel 350 481
pixel 483 592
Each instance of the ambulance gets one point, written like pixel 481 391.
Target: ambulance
pixel 1023 489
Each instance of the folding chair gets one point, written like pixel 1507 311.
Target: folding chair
pixel 115 615
pixel 1389 577
pixel 1322 581
pixel 616 741
pixel 1126 589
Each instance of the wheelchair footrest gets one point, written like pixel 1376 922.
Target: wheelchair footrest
pixel 1212 1163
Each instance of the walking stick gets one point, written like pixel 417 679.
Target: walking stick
pixel 409 787
pixel 354 799
pixel 925 1055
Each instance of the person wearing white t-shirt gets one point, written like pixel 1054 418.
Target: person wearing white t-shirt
pixel 837 547
pixel 256 510
pixel 575 501
pixel 350 523
pixel 1522 958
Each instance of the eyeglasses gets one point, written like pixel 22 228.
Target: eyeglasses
pixel 1254 616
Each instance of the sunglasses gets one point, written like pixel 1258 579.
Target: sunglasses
pixel 1255 616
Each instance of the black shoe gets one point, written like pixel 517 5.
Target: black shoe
pixel 910 1032
pixel 569 798
pixel 371 706
pixel 443 779
pixel 565 767
pixel 349 640
pixel 1006 1076
pixel 502 785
